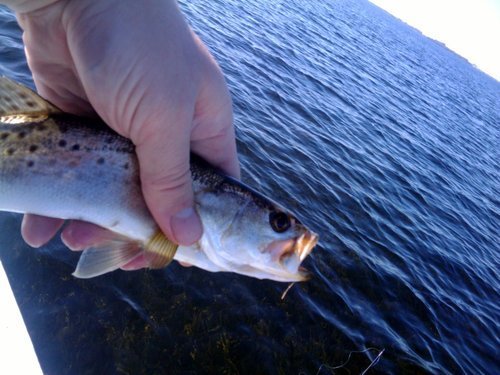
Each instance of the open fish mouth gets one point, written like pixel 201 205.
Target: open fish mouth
pixel 303 247
pixel 305 243
pixel 290 253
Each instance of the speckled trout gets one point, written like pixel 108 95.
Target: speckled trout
pixel 64 166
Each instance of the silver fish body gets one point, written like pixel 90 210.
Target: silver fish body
pixel 60 165
pixel 74 171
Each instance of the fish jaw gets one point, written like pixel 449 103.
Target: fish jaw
pixel 299 247
pixel 287 255
pixel 305 244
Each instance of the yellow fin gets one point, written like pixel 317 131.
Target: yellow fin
pixel 107 257
pixel 160 251
pixel 19 104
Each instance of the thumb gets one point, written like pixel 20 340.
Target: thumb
pixel 167 185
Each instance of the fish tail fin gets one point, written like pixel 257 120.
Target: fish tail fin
pixel 107 257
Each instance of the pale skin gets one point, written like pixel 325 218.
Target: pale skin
pixel 138 66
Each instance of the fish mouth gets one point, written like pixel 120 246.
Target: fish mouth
pixel 290 253
pixel 305 244
pixel 303 247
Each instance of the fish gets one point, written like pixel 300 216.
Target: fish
pixel 60 165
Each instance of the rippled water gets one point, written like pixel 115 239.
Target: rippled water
pixel 383 141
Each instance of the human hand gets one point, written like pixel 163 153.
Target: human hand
pixel 140 67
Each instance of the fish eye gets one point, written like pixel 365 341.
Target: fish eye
pixel 280 222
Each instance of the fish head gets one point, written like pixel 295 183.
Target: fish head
pixel 246 233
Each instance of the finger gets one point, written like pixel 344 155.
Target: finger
pixel 166 178
pixel 220 151
pixel 80 235
pixel 51 63
pixel 213 136
pixel 38 230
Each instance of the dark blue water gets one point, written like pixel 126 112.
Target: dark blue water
pixel 383 141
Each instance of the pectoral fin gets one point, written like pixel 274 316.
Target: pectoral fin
pixel 108 257
pixel 118 251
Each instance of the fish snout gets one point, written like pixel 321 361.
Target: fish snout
pixel 300 247
pixel 305 244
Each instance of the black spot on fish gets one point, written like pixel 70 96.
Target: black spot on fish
pixel 22 95
pixel 10 151
pixel 100 161
pixel 33 148
pixel 30 103
pixel 109 140
pixel 75 147
pixel 14 107
pixel 21 135
pixel 6 99
pixel 62 143
pixel 30 163
pixel 4 136
pixel 125 166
